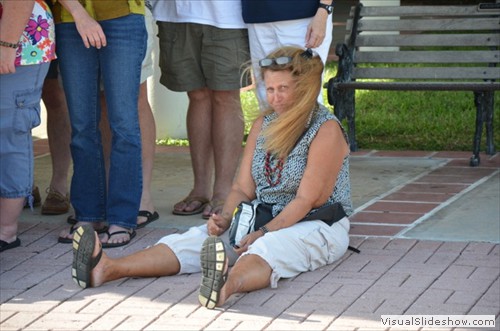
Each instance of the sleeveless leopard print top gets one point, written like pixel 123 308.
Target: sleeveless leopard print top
pixel 293 168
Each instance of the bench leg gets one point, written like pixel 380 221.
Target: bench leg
pixel 479 101
pixel 350 109
pixel 489 110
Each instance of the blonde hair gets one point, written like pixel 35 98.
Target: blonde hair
pixel 283 133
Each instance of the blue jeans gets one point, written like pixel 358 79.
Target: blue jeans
pixel 119 66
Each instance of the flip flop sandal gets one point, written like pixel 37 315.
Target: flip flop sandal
pixel 83 247
pixel 150 217
pixel 112 245
pixel 73 228
pixel 71 220
pixel 214 271
pixel 203 202
pixel 5 245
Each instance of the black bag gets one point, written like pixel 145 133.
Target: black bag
pixel 249 217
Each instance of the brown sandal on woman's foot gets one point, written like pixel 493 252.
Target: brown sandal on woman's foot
pixel 188 200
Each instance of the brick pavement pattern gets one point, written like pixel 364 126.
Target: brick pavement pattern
pixel 391 276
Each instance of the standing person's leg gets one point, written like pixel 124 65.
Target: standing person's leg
pixel 198 123
pixel 80 74
pixel 227 137
pixel 225 53
pixel 59 136
pixel 147 211
pixel 20 97
pixel 121 77
pixel 181 68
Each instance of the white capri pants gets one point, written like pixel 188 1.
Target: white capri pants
pixel 302 247
pixel 265 38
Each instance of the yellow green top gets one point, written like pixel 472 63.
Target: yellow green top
pixel 100 10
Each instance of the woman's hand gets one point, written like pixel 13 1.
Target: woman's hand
pixel 217 225
pixel 15 16
pixel 7 59
pixel 88 28
pixel 247 240
pixel 316 31
pixel 90 31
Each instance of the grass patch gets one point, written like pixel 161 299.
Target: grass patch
pixel 403 120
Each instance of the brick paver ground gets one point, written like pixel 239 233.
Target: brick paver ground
pixel 390 276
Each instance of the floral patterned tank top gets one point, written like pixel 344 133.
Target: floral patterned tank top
pixel 37 43
pixel 294 166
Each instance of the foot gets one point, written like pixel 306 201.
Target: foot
pixel 146 206
pixel 190 205
pixel 88 258
pixel 55 203
pixel 117 236
pixel 4 245
pixel 145 217
pixel 66 235
pixel 214 268
pixel 214 207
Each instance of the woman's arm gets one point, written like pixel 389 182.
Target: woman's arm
pixel 243 188
pixel 12 24
pixel 88 28
pixel 316 31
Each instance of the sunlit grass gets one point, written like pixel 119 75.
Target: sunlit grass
pixel 402 120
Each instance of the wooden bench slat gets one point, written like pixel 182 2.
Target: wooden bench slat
pixel 418 86
pixel 425 10
pixel 427 57
pixel 417 39
pixel 445 24
pixel 462 73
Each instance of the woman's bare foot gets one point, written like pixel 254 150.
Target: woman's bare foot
pixel 116 236
pixel 66 235
pixel 97 277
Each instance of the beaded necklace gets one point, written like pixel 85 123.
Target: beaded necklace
pixel 273 170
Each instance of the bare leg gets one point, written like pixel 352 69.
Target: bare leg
pixel 227 136
pixel 199 129
pixel 148 136
pixel 10 210
pixel 250 273
pixel 156 261
pixel 59 134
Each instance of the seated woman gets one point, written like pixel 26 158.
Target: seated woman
pixel 296 159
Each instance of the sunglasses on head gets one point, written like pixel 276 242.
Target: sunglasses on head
pixel 282 60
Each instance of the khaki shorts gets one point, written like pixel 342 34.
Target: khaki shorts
pixel 193 56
